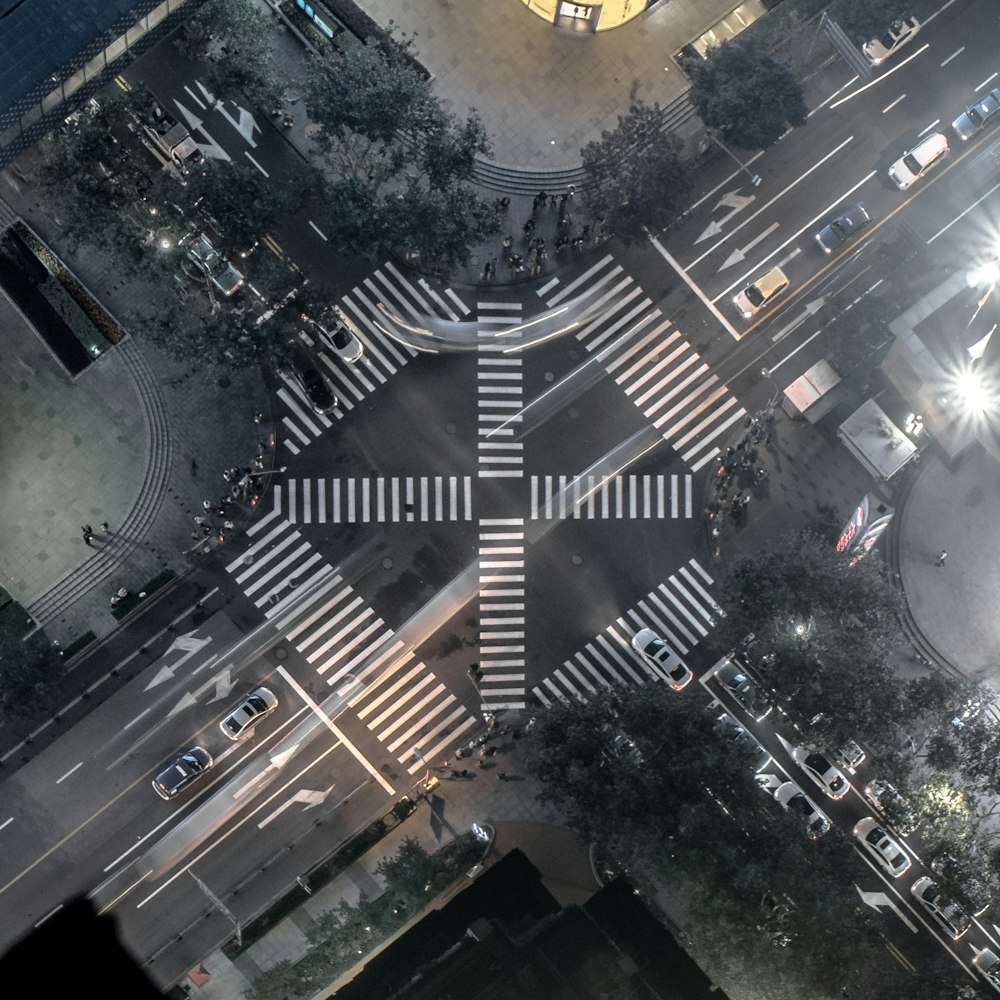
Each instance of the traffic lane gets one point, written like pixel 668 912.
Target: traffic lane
pixel 862 113
pixel 97 815
pixel 248 864
pixel 223 127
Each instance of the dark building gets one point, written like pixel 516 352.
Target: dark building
pixel 54 54
pixel 506 938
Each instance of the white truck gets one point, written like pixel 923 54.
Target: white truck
pixel 171 142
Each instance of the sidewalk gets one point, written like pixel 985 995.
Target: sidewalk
pixel 510 806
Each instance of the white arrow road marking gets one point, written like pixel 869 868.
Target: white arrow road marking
pixel 224 683
pixel 211 148
pixel 876 900
pixel 310 797
pixel 737 255
pixel 181 642
pixel 811 308
pixel 246 124
pixel 733 200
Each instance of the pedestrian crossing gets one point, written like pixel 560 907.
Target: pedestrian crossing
pixel 658 369
pixel 681 610
pixel 500 390
pixel 399 698
pixel 364 310
pixel 375 499
pixel 611 497
pixel 501 613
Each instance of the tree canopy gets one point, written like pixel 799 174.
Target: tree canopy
pixel 750 98
pixel 867 19
pixel 636 179
pixel 397 163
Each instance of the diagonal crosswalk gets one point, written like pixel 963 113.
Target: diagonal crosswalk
pixel 499 379
pixel 400 699
pixel 375 499
pixel 681 610
pixel 364 310
pixel 653 362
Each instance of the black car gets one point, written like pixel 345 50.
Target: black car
pixel 179 773
pixel 733 678
pixel 845 227
pixel 313 383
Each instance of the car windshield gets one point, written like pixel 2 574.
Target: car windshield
pixel 754 296
pixel 911 163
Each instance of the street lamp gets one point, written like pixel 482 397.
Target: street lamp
pixel 267 472
pixel 754 178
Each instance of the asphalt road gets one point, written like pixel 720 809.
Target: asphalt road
pixel 512 509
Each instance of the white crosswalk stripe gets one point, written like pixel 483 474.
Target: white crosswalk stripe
pixel 399 699
pixel 501 612
pixel 361 310
pixel 681 610
pixel 655 365
pixel 558 497
pixel 500 391
pixel 376 499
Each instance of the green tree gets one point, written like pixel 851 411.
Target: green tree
pixel 867 19
pixel 750 98
pixel 636 179
pixel 410 872
pixel 234 38
pixel 397 164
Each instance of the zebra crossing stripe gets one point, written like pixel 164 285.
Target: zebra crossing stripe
pixel 552 497
pixel 681 610
pixel 379 499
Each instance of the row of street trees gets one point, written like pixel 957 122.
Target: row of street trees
pixel 392 177
pixel 648 775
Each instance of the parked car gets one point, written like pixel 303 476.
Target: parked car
pixel 924 156
pixel 891 40
pixel 257 705
pixel 789 796
pixel 729 728
pixel 223 276
pixel 977 116
pixel 822 771
pixel 338 339
pixel 988 963
pixel 180 772
pixel 757 294
pixel 845 227
pixel 734 680
pixel 873 838
pixel 896 811
pixel 314 384
pixel 661 658
pixel 962 881
pixel 953 919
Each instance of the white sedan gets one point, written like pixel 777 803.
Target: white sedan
pixel 875 839
pixel 663 660
pixel 924 156
pixel 822 771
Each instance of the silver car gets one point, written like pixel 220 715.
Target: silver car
pixel 661 658
pixel 977 116
pixel 257 705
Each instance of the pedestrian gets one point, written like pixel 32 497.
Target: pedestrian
pixel 228 525
pixel 571 190
pixel 195 534
pixel 942 555
pixel 501 775
pixel 508 242
pixel 505 203
pixel 200 519
pixel 207 504
pixel 529 226
pixel 105 528
pixel 446 764
pixel 115 601
pixel 258 417
pixel 88 534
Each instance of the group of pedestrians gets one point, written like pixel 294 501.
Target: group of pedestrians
pixel 88 533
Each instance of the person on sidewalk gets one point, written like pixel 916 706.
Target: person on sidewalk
pixel 942 555
pixel 88 535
